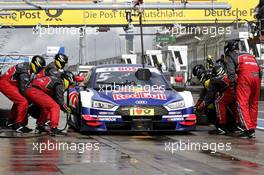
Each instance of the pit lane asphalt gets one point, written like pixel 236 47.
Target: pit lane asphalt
pixel 131 154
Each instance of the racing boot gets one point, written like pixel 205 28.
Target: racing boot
pixel 236 131
pixel 27 129
pixel 21 129
pixel 10 124
pixel 56 132
pixel 217 131
pixel 40 128
pixel 47 125
pixel 248 134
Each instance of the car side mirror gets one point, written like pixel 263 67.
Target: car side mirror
pixel 143 74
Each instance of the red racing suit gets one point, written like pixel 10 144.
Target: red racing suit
pixel 12 85
pixel 246 88
pixel 219 92
pixel 47 93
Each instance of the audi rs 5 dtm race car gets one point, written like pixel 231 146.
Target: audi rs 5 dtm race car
pixel 114 98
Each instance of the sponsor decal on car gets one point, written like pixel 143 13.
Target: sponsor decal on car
pixel 141 102
pixel 73 98
pixel 176 119
pixel 123 69
pixel 117 69
pixel 173 117
pixel 139 96
pixel 141 111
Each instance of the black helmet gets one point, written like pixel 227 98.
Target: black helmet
pixel 231 46
pixel 68 79
pixel 218 70
pixel 37 63
pixel 197 68
pixel 60 60
pixel 204 75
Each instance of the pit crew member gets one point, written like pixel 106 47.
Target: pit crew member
pixel 219 93
pixel 13 84
pixel 246 89
pixel 47 93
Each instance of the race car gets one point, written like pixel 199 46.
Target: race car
pixel 117 98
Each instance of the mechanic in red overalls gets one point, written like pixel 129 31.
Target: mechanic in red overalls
pixel 13 84
pixel 54 68
pixel 246 89
pixel 47 93
pixel 219 93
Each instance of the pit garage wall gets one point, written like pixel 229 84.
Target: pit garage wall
pixel 206 44
pixel 198 50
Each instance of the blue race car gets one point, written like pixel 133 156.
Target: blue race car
pixel 115 98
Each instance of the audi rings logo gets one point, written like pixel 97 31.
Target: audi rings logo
pixel 141 102
pixel 54 15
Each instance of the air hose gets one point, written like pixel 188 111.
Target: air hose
pixel 68 115
pixel 67 120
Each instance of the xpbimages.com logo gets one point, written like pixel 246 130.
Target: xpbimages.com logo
pixel 42 147
pixel 60 31
pixel 211 31
pixel 133 88
pixel 196 146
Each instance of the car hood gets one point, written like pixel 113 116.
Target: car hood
pixel 139 98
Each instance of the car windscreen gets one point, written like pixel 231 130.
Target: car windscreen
pixel 125 76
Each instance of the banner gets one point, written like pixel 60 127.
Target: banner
pixel 241 9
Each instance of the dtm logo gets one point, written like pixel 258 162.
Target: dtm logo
pixel 141 102
pixel 54 16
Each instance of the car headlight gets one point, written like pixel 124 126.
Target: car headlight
pixel 176 105
pixel 102 105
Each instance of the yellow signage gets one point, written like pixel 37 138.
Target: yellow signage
pixel 241 9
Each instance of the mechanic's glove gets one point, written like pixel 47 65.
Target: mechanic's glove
pixel 198 103
pixel 201 106
pixel 66 109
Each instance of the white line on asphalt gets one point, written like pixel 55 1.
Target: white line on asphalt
pixel 261 111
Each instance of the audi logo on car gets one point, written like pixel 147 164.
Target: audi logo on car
pixel 141 102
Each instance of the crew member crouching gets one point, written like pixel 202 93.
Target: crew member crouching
pixel 47 93
pixel 13 84
pixel 219 93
